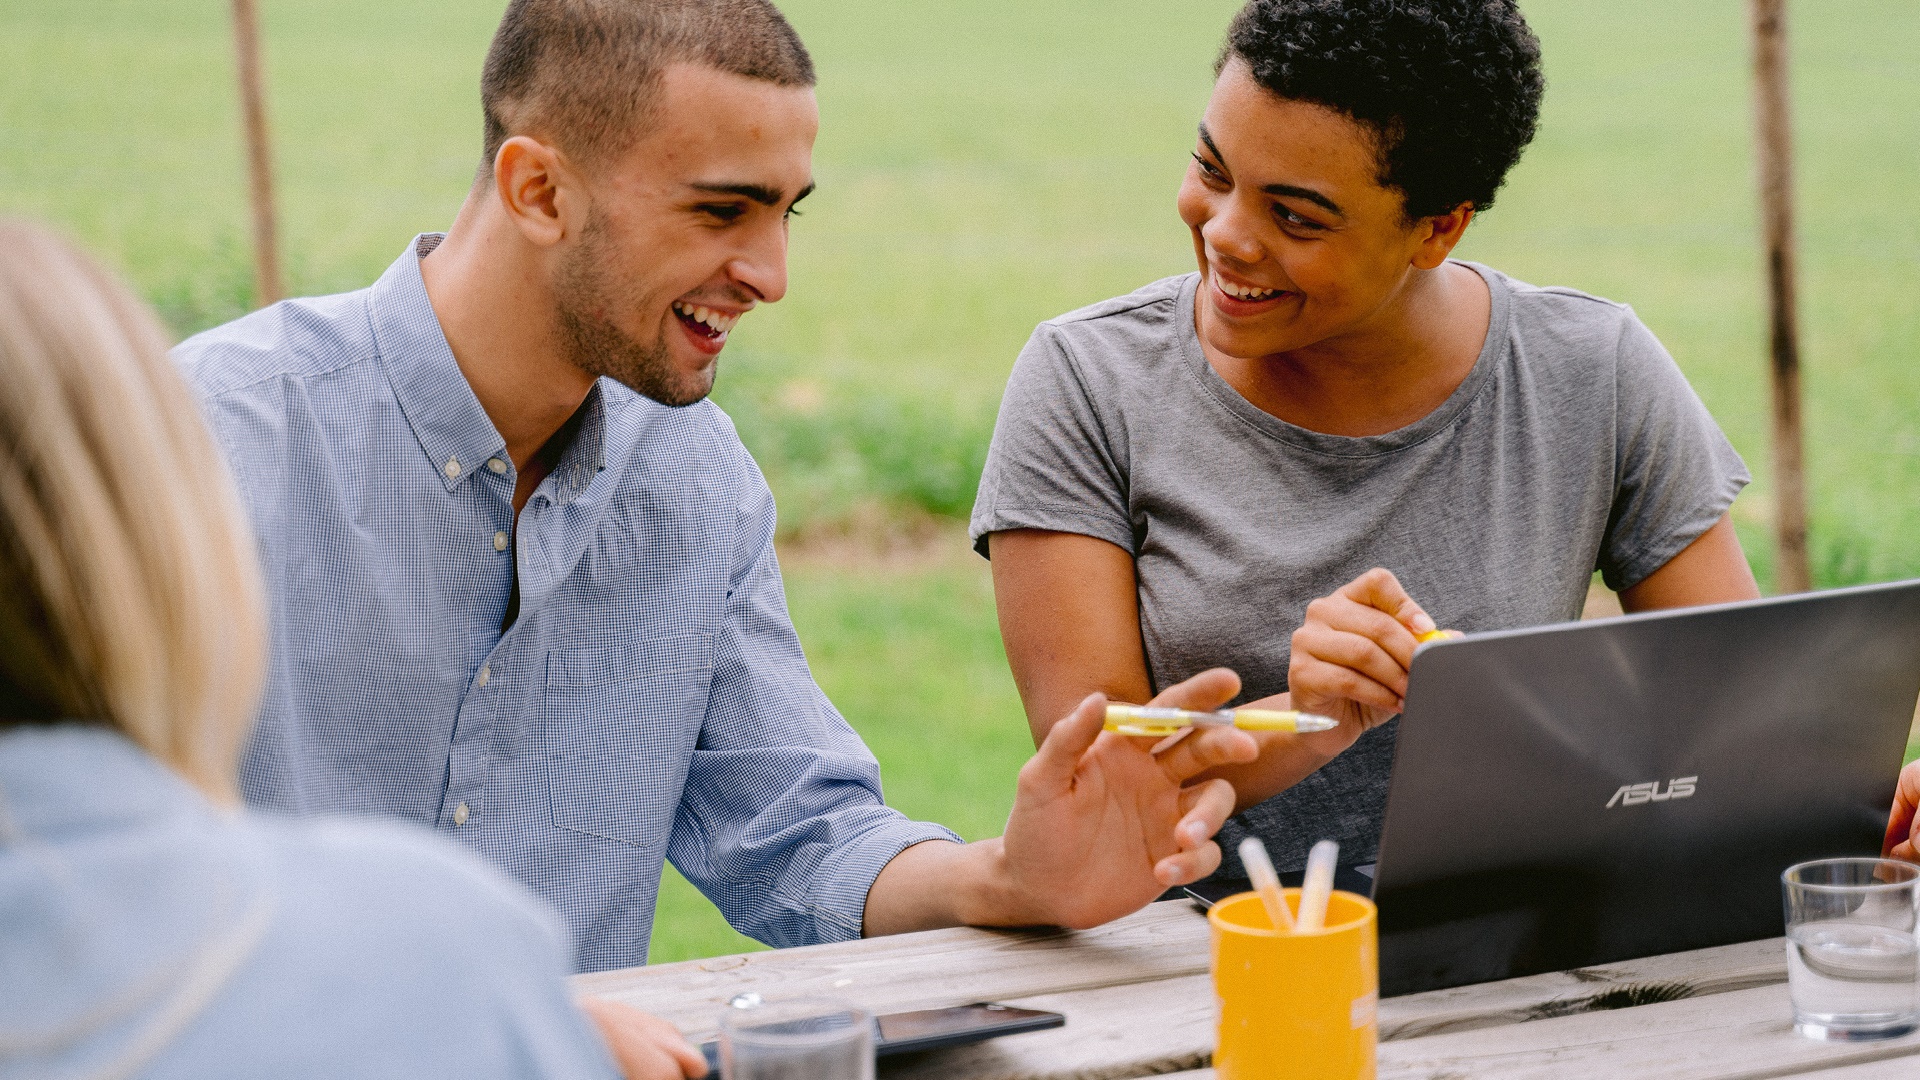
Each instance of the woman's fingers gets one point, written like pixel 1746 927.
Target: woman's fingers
pixel 1313 679
pixel 1379 589
pixel 1900 823
pixel 1341 614
pixel 1350 650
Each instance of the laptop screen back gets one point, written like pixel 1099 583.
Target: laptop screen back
pixel 1587 793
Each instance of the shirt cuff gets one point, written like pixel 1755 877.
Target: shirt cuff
pixel 838 893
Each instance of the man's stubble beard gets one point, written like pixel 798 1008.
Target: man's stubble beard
pixel 598 347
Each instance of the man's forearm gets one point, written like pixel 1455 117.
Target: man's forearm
pixel 938 883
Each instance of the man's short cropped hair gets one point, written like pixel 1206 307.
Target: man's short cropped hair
pixel 1450 88
pixel 584 75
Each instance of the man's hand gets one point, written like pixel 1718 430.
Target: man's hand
pixel 645 1047
pixel 1903 831
pixel 1351 656
pixel 1101 825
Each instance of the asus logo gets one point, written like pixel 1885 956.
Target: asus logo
pixel 1680 787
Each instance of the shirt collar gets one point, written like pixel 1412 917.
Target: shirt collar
pixel 585 455
pixel 72 778
pixel 454 431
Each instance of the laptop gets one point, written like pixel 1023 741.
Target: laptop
pixel 1592 792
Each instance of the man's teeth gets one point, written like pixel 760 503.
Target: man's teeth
pixel 1243 292
pixel 718 321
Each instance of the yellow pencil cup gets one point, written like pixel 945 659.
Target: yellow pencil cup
pixel 1295 1006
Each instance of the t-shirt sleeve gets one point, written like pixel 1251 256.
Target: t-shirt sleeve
pixel 1675 473
pixel 1053 464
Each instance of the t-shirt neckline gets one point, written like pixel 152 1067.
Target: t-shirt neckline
pixel 1354 446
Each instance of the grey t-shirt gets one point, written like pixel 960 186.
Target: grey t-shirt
pixel 1575 443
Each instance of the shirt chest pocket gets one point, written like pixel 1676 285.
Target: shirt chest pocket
pixel 620 727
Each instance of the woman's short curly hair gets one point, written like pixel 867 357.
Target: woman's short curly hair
pixel 1451 88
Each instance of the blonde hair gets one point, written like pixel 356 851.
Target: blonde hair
pixel 130 592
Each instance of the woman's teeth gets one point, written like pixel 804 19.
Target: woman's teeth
pixel 1243 292
pixel 717 321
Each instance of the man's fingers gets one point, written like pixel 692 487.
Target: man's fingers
pixel 1051 768
pixel 1188 866
pixel 1205 807
pixel 1208 748
pixel 1208 690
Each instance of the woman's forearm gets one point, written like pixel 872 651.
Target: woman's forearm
pixel 1285 758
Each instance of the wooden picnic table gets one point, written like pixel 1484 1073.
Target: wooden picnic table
pixel 1139 1002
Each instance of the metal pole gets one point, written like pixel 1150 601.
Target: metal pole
pixel 253 105
pixel 1775 145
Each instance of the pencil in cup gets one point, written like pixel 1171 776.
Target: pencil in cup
pixel 1152 720
pixel 1295 1005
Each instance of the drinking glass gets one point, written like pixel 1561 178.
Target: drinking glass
pixel 1853 967
pixel 797 1039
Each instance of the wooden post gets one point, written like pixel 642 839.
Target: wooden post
pixel 253 105
pixel 1775 146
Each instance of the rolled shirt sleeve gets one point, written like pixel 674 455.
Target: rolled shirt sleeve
pixel 781 822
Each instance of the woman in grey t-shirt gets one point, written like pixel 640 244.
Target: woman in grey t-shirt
pixel 1263 464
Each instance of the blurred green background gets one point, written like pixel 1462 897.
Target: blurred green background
pixel 983 165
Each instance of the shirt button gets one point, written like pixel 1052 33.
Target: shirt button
pixel 460 814
pixel 451 468
pixel 486 673
pixel 497 465
pixel 500 541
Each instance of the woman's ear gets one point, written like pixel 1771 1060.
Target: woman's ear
pixel 1437 235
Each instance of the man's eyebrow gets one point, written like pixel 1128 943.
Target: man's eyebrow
pixel 1286 190
pixel 760 193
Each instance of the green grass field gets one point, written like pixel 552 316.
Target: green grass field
pixel 985 164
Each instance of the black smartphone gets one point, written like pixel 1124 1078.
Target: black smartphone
pixel 931 1029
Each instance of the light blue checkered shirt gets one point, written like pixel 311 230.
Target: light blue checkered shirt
pixel 651 700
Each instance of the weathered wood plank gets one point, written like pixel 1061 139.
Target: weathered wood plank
pixel 1136 993
pixel 1563 993
pixel 1738 1035
pixel 1112 1033
pixel 923 971
pixel 1900 1068
pixel 1153 1027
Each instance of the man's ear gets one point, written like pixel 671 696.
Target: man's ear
pixel 538 190
pixel 1438 234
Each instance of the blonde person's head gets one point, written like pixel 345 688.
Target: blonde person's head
pixel 129 590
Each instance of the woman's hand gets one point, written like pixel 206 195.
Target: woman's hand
pixel 1903 831
pixel 1351 656
pixel 644 1046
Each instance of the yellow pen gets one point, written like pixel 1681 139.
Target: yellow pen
pixel 1155 721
